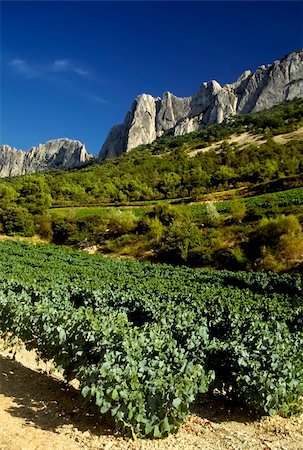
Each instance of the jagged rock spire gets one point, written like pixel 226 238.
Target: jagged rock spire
pixel 151 117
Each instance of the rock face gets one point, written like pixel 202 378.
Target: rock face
pixel 152 117
pixel 56 154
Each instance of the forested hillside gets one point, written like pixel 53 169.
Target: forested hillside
pixel 259 155
pixel 168 168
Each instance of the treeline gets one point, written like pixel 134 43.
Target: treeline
pixel 140 175
pixel 213 237
pixel 239 239
pixel 261 233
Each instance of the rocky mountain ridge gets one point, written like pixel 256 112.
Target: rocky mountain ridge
pixel 56 154
pixel 152 117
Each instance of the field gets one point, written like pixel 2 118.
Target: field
pixel 283 199
pixel 291 197
pixel 145 341
pixel 85 211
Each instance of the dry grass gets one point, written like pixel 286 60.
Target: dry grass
pixel 31 240
pixel 245 139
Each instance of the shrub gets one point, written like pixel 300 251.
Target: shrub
pixel 165 213
pixel 156 229
pixel 235 258
pixel 7 195
pixel 212 214
pixel 292 247
pixel 181 237
pixel 271 369
pixel 34 194
pixel 45 228
pixel 121 222
pixel 63 231
pixel 278 243
pixel 17 220
pixel 270 230
pixel 238 210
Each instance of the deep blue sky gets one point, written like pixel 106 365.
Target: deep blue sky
pixel 72 69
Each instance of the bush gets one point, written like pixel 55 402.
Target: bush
pixel 278 243
pixel 234 258
pixel 8 195
pixel 172 231
pixel 17 220
pixel 155 229
pixel 64 231
pixel 34 194
pixel 271 369
pixel 212 214
pixel 237 210
pixel 45 227
pixel 165 213
pixel 181 237
pixel 121 222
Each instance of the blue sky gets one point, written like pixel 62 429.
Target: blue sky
pixel 72 69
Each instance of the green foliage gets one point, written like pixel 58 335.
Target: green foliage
pixel 278 243
pixel 8 195
pixel 171 231
pixel 121 222
pixel 154 227
pixel 221 234
pixel 212 214
pixel 277 120
pixel 163 169
pixel 63 231
pixel 44 227
pixel 144 339
pixel 270 230
pixel 17 220
pixel 273 384
pixel 237 210
pixel 34 194
pixel 147 383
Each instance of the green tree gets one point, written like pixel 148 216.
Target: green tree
pixel 238 210
pixel 34 195
pixel 17 220
pixel 8 195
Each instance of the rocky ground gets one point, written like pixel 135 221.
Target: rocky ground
pixel 38 411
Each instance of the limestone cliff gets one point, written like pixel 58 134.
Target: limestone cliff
pixel 59 153
pixel 152 117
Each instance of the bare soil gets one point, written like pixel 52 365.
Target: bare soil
pixel 39 412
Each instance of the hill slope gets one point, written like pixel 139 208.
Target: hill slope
pixel 243 151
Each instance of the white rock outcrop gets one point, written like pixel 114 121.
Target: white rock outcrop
pixel 56 154
pixel 152 117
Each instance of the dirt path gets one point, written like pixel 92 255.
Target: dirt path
pixel 38 412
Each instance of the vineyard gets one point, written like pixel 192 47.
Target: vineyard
pixel 283 199
pixel 145 340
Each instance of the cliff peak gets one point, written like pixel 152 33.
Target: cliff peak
pixel 151 117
